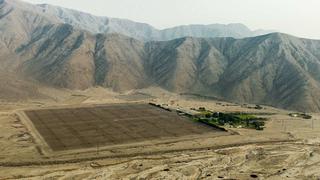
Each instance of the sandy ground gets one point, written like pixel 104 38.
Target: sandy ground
pixel 289 148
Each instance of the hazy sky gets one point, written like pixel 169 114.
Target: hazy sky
pixel 297 17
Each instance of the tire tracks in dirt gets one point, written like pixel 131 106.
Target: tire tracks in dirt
pixel 87 159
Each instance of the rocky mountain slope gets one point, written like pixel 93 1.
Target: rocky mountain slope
pixel 274 69
pixel 141 31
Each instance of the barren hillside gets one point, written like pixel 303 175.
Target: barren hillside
pixel 45 44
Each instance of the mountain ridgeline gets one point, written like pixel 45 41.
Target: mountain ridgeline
pixel 140 31
pixel 77 53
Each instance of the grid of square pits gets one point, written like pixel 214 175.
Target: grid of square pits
pixel 88 127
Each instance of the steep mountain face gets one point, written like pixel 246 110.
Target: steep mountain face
pixel 129 28
pixel 119 62
pixel 95 24
pixel 57 48
pixel 274 69
pixel 59 55
pixel 62 56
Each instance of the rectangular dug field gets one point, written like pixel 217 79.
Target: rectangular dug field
pixel 89 127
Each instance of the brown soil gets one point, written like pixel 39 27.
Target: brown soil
pixel 288 148
pixel 89 127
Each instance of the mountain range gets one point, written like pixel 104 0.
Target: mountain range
pixel 63 48
pixel 140 31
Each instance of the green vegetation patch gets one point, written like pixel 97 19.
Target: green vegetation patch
pixel 237 120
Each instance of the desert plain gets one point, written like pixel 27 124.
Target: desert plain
pixel 288 147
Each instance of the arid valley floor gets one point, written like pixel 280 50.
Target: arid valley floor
pixel 288 148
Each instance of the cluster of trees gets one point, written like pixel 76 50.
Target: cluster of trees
pixel 233 119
